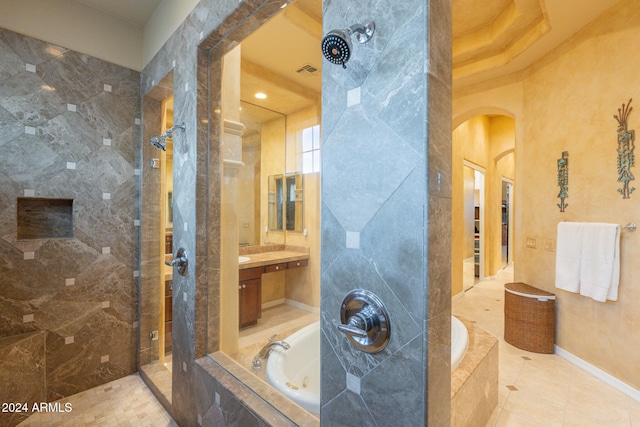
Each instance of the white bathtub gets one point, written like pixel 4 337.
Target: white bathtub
pixel 296 372
pixel 459 342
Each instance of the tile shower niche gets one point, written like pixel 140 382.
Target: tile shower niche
pixel 39 218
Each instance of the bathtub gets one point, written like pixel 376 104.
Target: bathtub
pixel 459 342
pixel 296 372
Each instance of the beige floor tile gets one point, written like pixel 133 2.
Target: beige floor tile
pixel 509 419
pixel 537 384
pixel 634 412
pixel 123 402
pixel 579 418
pixel 536 408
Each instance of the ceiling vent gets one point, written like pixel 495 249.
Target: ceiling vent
pixel 308 70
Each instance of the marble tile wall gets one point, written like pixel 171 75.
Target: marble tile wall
pixel 399 210
pixel 21 356
pixel 68 131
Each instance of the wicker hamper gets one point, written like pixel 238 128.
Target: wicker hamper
pixel 529 318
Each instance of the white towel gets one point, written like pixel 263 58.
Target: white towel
pixel 568 243
pixel 600 261
pixel 615 277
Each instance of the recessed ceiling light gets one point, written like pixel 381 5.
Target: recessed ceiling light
pixel 261 95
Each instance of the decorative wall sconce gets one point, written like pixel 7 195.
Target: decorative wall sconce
pixel 626 145
pixel 563 180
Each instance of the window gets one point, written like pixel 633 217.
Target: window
pixel 309 149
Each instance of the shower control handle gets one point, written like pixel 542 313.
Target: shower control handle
pixel 358 325
pixel 180 262
pixel 353 331
pixel 365 321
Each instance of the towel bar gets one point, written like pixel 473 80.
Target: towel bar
pixel 630 226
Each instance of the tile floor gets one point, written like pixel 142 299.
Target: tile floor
pixel 541 389
pixel 535 389
pixel 123 402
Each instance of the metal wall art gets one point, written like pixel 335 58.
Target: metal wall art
pixel 626 145
pixel 563 180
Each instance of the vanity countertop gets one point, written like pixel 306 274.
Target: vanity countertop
pixel 274 257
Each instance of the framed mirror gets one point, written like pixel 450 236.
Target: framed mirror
pixel 276 202
pixel 294 202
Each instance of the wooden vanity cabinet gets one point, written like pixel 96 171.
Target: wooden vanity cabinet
pixel 250 290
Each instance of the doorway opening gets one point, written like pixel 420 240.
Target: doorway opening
pixel 474 232
pixel 156 303
pixel 483 157
pixel 507 221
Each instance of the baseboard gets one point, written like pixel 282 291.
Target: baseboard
pixel 600 374
pixel 292 303
pixel 457 296
pixel 302 306
pixel 273 303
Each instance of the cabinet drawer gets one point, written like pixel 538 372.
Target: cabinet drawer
pixel 168 288
pixel 299 263
pixel 250 273
pixel 275 267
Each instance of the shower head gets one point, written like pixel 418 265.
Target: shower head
pixel 336 46
pixel 159 142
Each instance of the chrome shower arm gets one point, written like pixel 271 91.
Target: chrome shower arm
pixel 160 141
pixel 363 32
pixel 169 132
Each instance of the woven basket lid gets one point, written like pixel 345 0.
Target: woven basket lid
pixel 528 291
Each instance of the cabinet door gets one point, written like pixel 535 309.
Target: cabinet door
pixel 168 315
pixel 250 302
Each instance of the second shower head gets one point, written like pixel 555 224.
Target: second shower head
pixel 336 45
pixel 160 141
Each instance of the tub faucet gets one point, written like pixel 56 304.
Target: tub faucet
pixel 266 350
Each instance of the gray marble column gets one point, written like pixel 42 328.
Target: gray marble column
pixel 386 212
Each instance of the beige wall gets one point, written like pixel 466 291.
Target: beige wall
pixel 569 103
pixel 566 102
pixel 165 20
pixel 76 26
